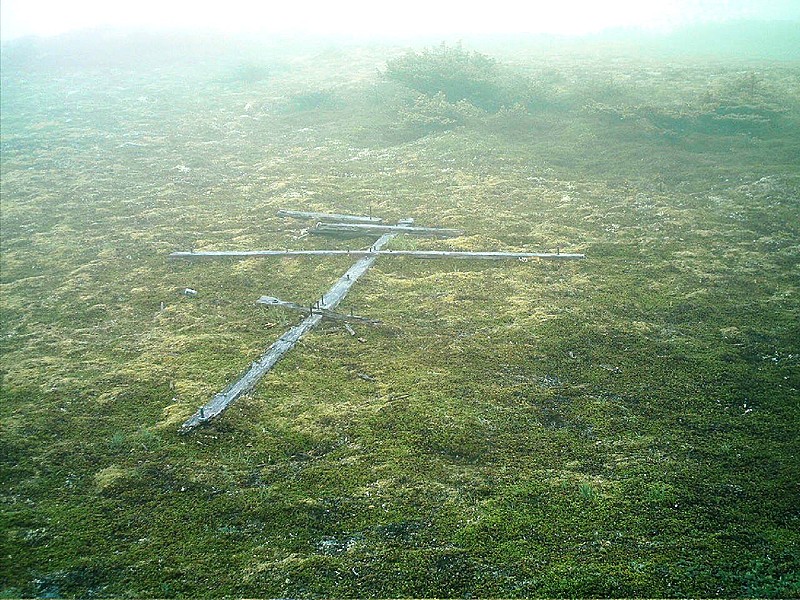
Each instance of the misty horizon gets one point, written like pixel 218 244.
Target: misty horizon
pixel 359 20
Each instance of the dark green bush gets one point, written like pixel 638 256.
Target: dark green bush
pixel 452 71
pixel 311 100
pixel 434 114
pixel 249 73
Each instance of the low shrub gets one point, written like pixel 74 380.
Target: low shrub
pixel 455 73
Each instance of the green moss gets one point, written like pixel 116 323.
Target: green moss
pixel 621 426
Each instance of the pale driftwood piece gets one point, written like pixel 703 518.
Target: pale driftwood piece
pixel 286 342
pixel 318 216
pixel 328 314
pixel 366 229
pixel 408 253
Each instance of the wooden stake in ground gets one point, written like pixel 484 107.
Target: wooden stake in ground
pixel 324 308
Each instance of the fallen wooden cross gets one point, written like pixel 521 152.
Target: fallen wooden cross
pixel 324 307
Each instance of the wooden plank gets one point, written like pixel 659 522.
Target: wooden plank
pixel 314 308
pixel 466 255
pixel 318 216
pixel 365 229
pixel 408 253
pixel 286 342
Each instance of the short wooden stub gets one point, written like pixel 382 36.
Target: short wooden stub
pixel 328 314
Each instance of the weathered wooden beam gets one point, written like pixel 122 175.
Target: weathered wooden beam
pixel 314 308
pixel 467 255
pixel 318 216
pixel 408 253
pixel 367 229
pixel 286 342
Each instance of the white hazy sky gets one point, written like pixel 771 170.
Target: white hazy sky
pixel 378 18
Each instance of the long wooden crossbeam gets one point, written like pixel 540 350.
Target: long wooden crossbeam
pixel 196 254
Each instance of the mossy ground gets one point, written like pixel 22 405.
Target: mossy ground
pixel 621 426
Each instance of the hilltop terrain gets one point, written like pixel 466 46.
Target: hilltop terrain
pixel 620 426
